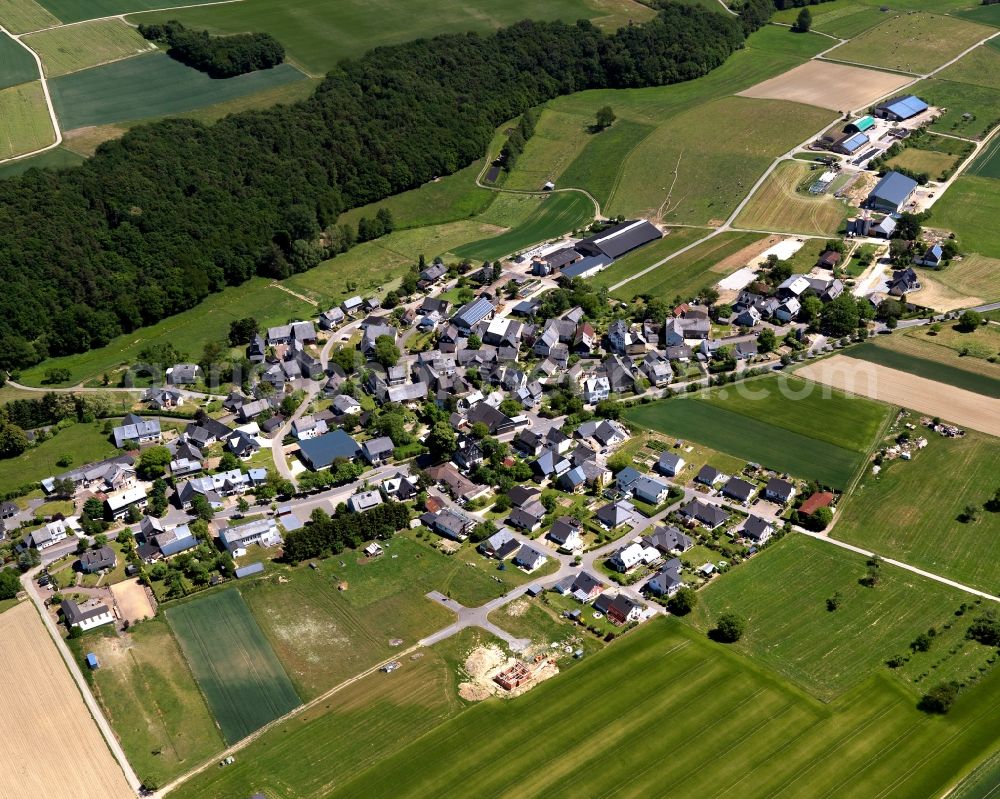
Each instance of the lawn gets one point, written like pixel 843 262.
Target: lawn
pixel 150 697
pixel 26 123
pixel 235 667
pixel 324 747
pixel 21 16
pixel 687 274
pixel 981 103
pixel 970 208
pixel 987 163
pixel 187 331
pixel 660 694
pixel 917 42
pixel 779 205
pixel 151 86
pixel 16 64
pixel 709 157
pixel 910 510
pixel 70 49
pixel 376 266
pixel 791 631
pixel 933 163
pixel 628 265
pixel 319 33
pixel 82 443
pixel 56 158
pixel 559 213
pixel 780 434
pixel 981 67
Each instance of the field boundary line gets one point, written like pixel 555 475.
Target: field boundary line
pixel 48 102
pixel 131 13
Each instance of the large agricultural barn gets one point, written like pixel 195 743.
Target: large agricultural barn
pixel 891 193
pixel 620 239
pixel 900 108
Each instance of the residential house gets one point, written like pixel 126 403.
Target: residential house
pixel 459 486
pixel 332 319
pixel 615 514
pixel 351 305
pixel 667 581
pixel 609 434
pixel 522 495
pixel 118 503
pixel 566 534
pixel 756 529
pixel 449 523
pixel 650 491
pixel 623 341
pixel 163 399
pixel 501 545
pixel 302 332
pixel 400 487
pixel 657 369
pixel 778 490
pixel 670 464
pixel 668 540
pixel 903 281
pixel 242 444
pixel 345 404
pixel 87 616
pixel 631 555
pixel 260 531
pixel 257 350
pixel 626 478
pixel 623 610
pixel 135 431
pixel 94 560
pixel 363 501
pixel 183 374
pixel 156 543
pixel 47 535
pixel 529 558
pixel 495 421
pixel 595 389
pixel 933 256
pixel 788 310
pixel 709 476
pixel 528 517
pixel 319 453
pixel 308 427
pixel 584 587
pixel 711 516
pixel 378 450
pixel 472 313
pixel 573 480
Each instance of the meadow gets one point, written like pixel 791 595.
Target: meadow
pixel 26 123
pixel 558 213
pixel 77 47
pixel 81 443
pixel 320 33
pixel 985 15
pixel 970 209
pixel 660 693
pixel 910 510
pixel 55 158
pixel 687 274
pixel 772 430
pixel 74 11
pixel 150 697
pixel 16 64
pixel 242 679
pixel 188 331
pixel 149 86
pixel 790 630
pixel 970 281
pixel 21 16
pixel 628 265
pixel 929 161
pixel 916 43
pixel 981 103
pixel 779 204
pixel 981 67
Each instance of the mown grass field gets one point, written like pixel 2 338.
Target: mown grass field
pixel 644 257
pixel 151 699
pixel 980 102
pixel 987 163
pixel 319 33
pixel 929 161
pixel 910 511
pixel 981 67
pixel 660 693
pixel 970 208
pixel 598 167
pixel 16 64
pixel 559 213
pixel 774 430
pixel 74 11
pixel 242 679
pixel 76 47
pixel 975 276
pixel 82 443
pixel 26 124
pixel 187 331
pixel 791 631
pixel 779 205
pixel 51 159
pixel 852 22
pixel 21 16
pixel 150 86
pixel 687 274
pixel 917 42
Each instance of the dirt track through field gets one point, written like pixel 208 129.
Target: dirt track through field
pixel 963 408
pixel 835 86
pixel 57 751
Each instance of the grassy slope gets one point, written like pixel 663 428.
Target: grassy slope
pixel 16 64
pixel 70 49
pixel 791 631
pixel 778 205
pixel 318 34
pixel 659 695
pixel 154 83
pixel 242 679
pixel 970 208
pixel 151 699
pixel 26 124
pixel 21 16
pixel 82 442
pixel 910 511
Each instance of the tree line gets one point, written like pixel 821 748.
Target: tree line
pixel 325 535
pixel 175 210
pixel 217 56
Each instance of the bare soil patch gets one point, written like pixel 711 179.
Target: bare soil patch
pixel 60 753
pixel 835 86
pixel 963 408
pixel 132 600
pixel 746 255
pixel 486 662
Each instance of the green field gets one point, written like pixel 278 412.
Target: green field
pixel 982 103
pixel 910 510
pixel 235 667
pixel 687 274
pixel 75 11
pixel 16 64
pixel 644 257
pixel 981 67
pixel 21 16
pixel 985 15
pixel 82 443
pixel 917 42
pixel 779 205
pixel 70 49
pixel 187 331
pixel 851 24
pixel 50 159
pixel 929 161
pixel 26 124
pixel 559 213
pixel 319 33
pixel 927 361
pixel 782 594
pixel 698 718
pixel 987 163
pixel 151 699
pixel 758 423
pixel 150 86
pixel 970 208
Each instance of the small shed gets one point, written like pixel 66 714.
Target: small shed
pixel 534 590
pixel 92 662
pixel 249 570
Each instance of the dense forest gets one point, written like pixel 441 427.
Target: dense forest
pixel 217 56
pixel 175 210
